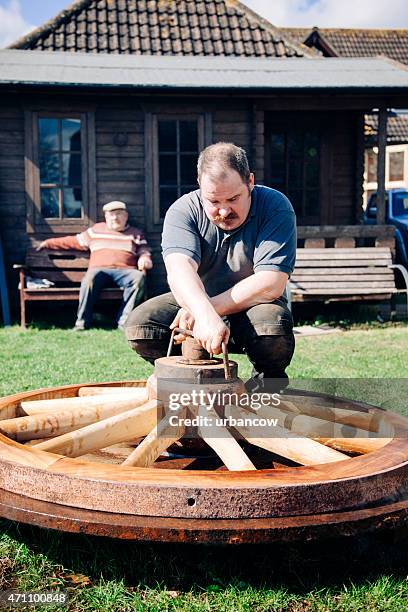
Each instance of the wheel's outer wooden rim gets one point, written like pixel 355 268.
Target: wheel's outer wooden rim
pixel 375 478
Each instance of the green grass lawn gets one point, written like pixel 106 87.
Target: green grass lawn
pixel 368 573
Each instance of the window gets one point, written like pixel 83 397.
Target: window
pixel 176 141
pixel 396 166
pixel 178 153
pixel 371 165
pixel 60 168
pixel 295 170
pixel 59 171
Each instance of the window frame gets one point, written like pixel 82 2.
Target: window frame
pixel 155 222
pixel 35 222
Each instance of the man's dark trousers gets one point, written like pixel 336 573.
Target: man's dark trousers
pixel 264 333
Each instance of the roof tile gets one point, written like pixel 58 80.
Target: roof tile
pixel 353 42
pixel 161 27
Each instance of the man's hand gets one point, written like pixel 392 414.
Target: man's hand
pixel 42 245
pixel 211 331
pixel 185 320
pixel 144 263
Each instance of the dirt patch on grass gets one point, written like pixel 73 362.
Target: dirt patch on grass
pixel 6 572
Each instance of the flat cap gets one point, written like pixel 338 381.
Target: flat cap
pixel 114 205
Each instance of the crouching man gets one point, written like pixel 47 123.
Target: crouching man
pixel 229 248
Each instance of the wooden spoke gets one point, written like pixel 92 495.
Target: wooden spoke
pixel 56 423
pixel 223 442
pixel 335 435
pixel 139 392
pixel 281 441
pixel 114 430
pixel 316 407
pixel 77 403
pixel 160 438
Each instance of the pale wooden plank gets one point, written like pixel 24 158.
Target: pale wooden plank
pixel 361 271
pixel 380 291
pixel 163 435
pixel 82 403
pixel 114 430
pixel 338 254
pixel 223 443
pixel 280 440
pixel 350 263
pixel 57 422
pixel 353 250
pixel 351 284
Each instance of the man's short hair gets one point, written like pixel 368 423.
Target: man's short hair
pixel 216 159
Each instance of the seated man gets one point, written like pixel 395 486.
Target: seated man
pixel 119 254
pixel 229 248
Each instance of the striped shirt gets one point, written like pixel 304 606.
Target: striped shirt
pixel 109 248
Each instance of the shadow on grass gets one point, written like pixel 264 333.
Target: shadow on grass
pixel 297 567
pixel 49 316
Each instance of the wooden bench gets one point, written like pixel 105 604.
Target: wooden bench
pixel 345 274
pixel 65 269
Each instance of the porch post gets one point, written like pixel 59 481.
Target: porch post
pixel 382 143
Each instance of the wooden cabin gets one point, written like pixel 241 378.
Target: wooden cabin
pixel 120 106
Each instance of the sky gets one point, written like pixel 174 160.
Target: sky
pixel 17 17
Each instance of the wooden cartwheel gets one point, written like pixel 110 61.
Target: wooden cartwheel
pixel 181 498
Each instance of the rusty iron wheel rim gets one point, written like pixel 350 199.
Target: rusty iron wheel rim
pixel 376 478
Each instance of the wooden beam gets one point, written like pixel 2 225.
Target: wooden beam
pixel 122 402
pixel 355 231
pixel 382 143
pixel 281 441
pixel 223 442
pixel 130 424
pixel 160 438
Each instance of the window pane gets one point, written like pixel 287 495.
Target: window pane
pixel 312 144
pixel 50 203
pixel 295 196
pixel 312 203
pixel 400 203
pixel 168 195
pixel 48 133
pixel 279 187
pixel 188 169
pixel 278 172
pixel 396 171
pixel 187 188
pixel 72 203
pixel 295 144
pixel 312 173
pixel 371 161
pixel 167 136
pixel 278 145
pixel 295 179
pixel 168 169
pixel 188 136
pixel 71 134
pixel 71 163
pixel 49 168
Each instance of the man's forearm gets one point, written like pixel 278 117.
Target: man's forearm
pixel 259 288
pixel 187 288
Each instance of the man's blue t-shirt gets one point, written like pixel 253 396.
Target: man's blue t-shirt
pixel 265 241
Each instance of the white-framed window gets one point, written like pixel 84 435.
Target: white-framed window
pixel 396 169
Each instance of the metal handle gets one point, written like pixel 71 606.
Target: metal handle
pixel 187 332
